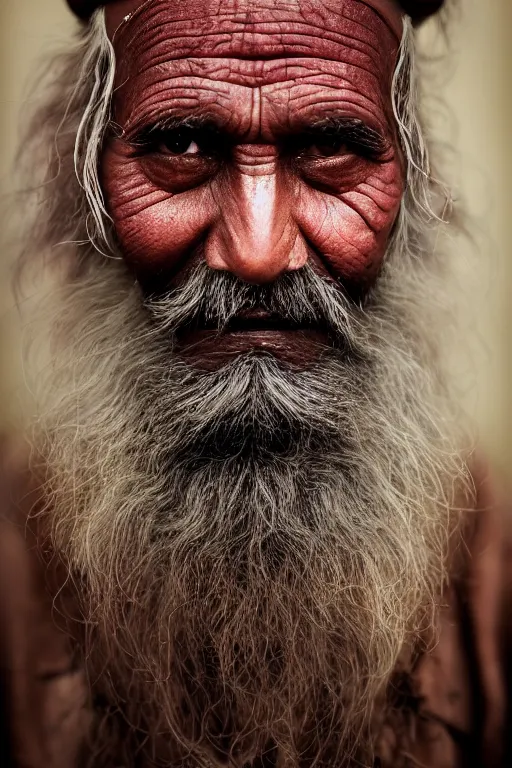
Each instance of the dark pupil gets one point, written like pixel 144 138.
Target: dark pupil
pixel 177 142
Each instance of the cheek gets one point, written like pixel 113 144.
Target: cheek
pixel 347 228
pixel 350 230
pixel 156 229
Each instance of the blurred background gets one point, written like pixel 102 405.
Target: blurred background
pixel 471 74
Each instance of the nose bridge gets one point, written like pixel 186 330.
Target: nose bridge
pixel 264 213
pixel 255 235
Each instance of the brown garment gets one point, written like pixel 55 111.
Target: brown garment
pixel 450 707
pixel 47 694
pixel 460 693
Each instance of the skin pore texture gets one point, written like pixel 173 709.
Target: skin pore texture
pixel 252 473
pixel 261 139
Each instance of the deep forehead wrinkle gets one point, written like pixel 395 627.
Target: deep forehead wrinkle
pixel 122 11
pixel 161 32
pixel 260 73
pixel 222 89
pixel 282 50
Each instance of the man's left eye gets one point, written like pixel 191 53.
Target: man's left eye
pixel 178 143
pixel 327 148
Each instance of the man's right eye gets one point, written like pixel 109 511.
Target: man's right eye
pixel 178 158
pixel 177 142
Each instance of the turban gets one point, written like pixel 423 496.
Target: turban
pixel 418 10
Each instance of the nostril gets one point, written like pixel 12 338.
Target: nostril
pixel 299 253
pixel 255 260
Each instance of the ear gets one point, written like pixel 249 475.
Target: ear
pixel 419 10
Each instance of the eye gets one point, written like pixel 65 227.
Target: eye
pixel 178 142
pixel 328 147
pixel 178 158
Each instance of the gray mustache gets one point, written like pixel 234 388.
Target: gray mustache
pixel 214 299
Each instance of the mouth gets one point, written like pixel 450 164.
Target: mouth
pixel 297 343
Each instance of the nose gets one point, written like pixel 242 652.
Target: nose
pixel 254 235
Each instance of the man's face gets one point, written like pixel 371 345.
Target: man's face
pixel 257 136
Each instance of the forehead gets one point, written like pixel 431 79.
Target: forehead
pixel 289 47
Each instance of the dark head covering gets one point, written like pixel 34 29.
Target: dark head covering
pixel 418 10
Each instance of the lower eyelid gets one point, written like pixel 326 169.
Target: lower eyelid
pixel 165 151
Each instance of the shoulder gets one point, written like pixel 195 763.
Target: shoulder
pixel 463 684
pixel 454 699
pixel 43 691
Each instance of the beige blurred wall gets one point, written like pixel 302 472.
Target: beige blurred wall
pixel 29 30
pixel 475 84
pixel 479 96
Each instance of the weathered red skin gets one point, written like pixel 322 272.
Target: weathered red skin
pixel 261 69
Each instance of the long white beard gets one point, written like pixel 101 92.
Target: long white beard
pixel 254 545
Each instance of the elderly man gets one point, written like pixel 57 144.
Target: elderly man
pixel 249 489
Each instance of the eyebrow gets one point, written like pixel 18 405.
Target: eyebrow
pixel 353 132
pixel 147 132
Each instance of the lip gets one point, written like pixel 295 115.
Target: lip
pixel 253 330
pixel 252 320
